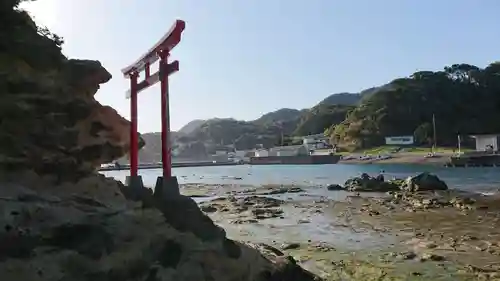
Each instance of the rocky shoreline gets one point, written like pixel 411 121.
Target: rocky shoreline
pixel 417 233
pixel 99 229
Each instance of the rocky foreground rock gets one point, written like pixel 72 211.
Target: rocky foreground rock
pixel 89 231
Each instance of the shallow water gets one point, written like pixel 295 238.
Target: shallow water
pixel 300 225
pixel 470 179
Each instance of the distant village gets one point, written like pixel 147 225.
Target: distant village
pixel 312 144
pixel 319 145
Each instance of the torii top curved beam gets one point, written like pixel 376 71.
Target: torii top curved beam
pixel 166 43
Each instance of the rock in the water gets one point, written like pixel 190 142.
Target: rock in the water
pixel 334 187
pixel 290 246
pixel 366 183
pixel 52 233
pixel 424 182
pixel 421 182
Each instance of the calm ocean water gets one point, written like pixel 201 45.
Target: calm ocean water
pixel 484 180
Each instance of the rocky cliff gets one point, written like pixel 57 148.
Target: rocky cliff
pixel 63 221
pixel 49 119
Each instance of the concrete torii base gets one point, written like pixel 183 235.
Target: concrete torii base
pixel 135 185
pixel 167 188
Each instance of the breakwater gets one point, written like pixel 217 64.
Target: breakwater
pixel 479 160
pixel 147 166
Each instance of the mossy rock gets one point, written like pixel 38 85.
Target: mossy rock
pixel 424 182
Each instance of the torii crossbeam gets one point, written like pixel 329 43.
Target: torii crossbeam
pixel 160 51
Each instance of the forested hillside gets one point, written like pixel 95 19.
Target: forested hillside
pixel 269 129
pixel 320 117
pixel 464 99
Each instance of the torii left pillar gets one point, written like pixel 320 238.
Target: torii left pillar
pixel 134 181
pixel 166 185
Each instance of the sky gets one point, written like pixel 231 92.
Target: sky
pixel 244 58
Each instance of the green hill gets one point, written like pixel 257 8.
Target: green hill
pixel 464 99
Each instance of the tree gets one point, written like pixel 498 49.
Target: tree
pixel 319 118
pixel 423 134
pixel 25 41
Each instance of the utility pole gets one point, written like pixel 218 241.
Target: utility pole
pixel 434 132
pixel 280 126
pixel 459 144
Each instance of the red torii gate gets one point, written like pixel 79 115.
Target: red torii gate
pixel 160 51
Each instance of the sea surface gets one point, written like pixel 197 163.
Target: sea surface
pixel 481 180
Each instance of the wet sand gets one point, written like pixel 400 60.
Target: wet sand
pixel 366 237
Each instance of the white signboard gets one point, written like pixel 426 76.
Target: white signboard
pixel 400 140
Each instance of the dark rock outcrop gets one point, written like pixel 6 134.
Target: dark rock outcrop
pixel 334 187
pixel 366 183
pixel 423 182
pixel 49 119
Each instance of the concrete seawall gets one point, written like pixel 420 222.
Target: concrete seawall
pixel 295 160
pixel 147 166
pixel 491 160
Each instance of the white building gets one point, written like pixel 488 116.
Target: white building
pixel 292 150
pixel 220 152
pixel 243 155
pixel 399 140
pixel 313 142
pixel 261 153
pixel 487 142
pixel 240 153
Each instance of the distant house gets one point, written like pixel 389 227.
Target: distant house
pixel 313 142
pixel 240 153
pixel 243 155
pixel 489 142
pixel 261 153
pixel 292 150
pixel 221 152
